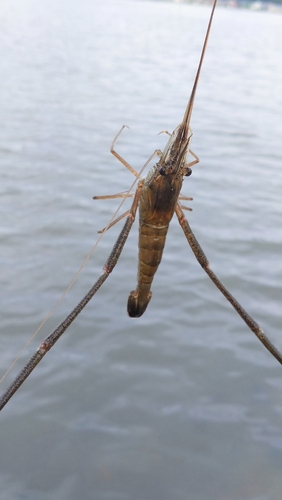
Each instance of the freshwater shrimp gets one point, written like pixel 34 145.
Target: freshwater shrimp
pixel 158 198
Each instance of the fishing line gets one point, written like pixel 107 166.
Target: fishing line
pixel 126 195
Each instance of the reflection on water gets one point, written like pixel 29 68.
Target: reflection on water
pixel 183 402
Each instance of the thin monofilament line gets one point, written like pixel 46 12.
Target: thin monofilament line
pixel 76 274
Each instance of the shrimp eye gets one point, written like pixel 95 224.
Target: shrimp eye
pixel 189 172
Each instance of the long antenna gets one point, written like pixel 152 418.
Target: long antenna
pixel 189 108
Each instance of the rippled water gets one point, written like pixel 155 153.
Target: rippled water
pixel 183 403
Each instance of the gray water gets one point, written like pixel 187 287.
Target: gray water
pixel 183 403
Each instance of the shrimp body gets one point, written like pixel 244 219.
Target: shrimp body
pixel 158 198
